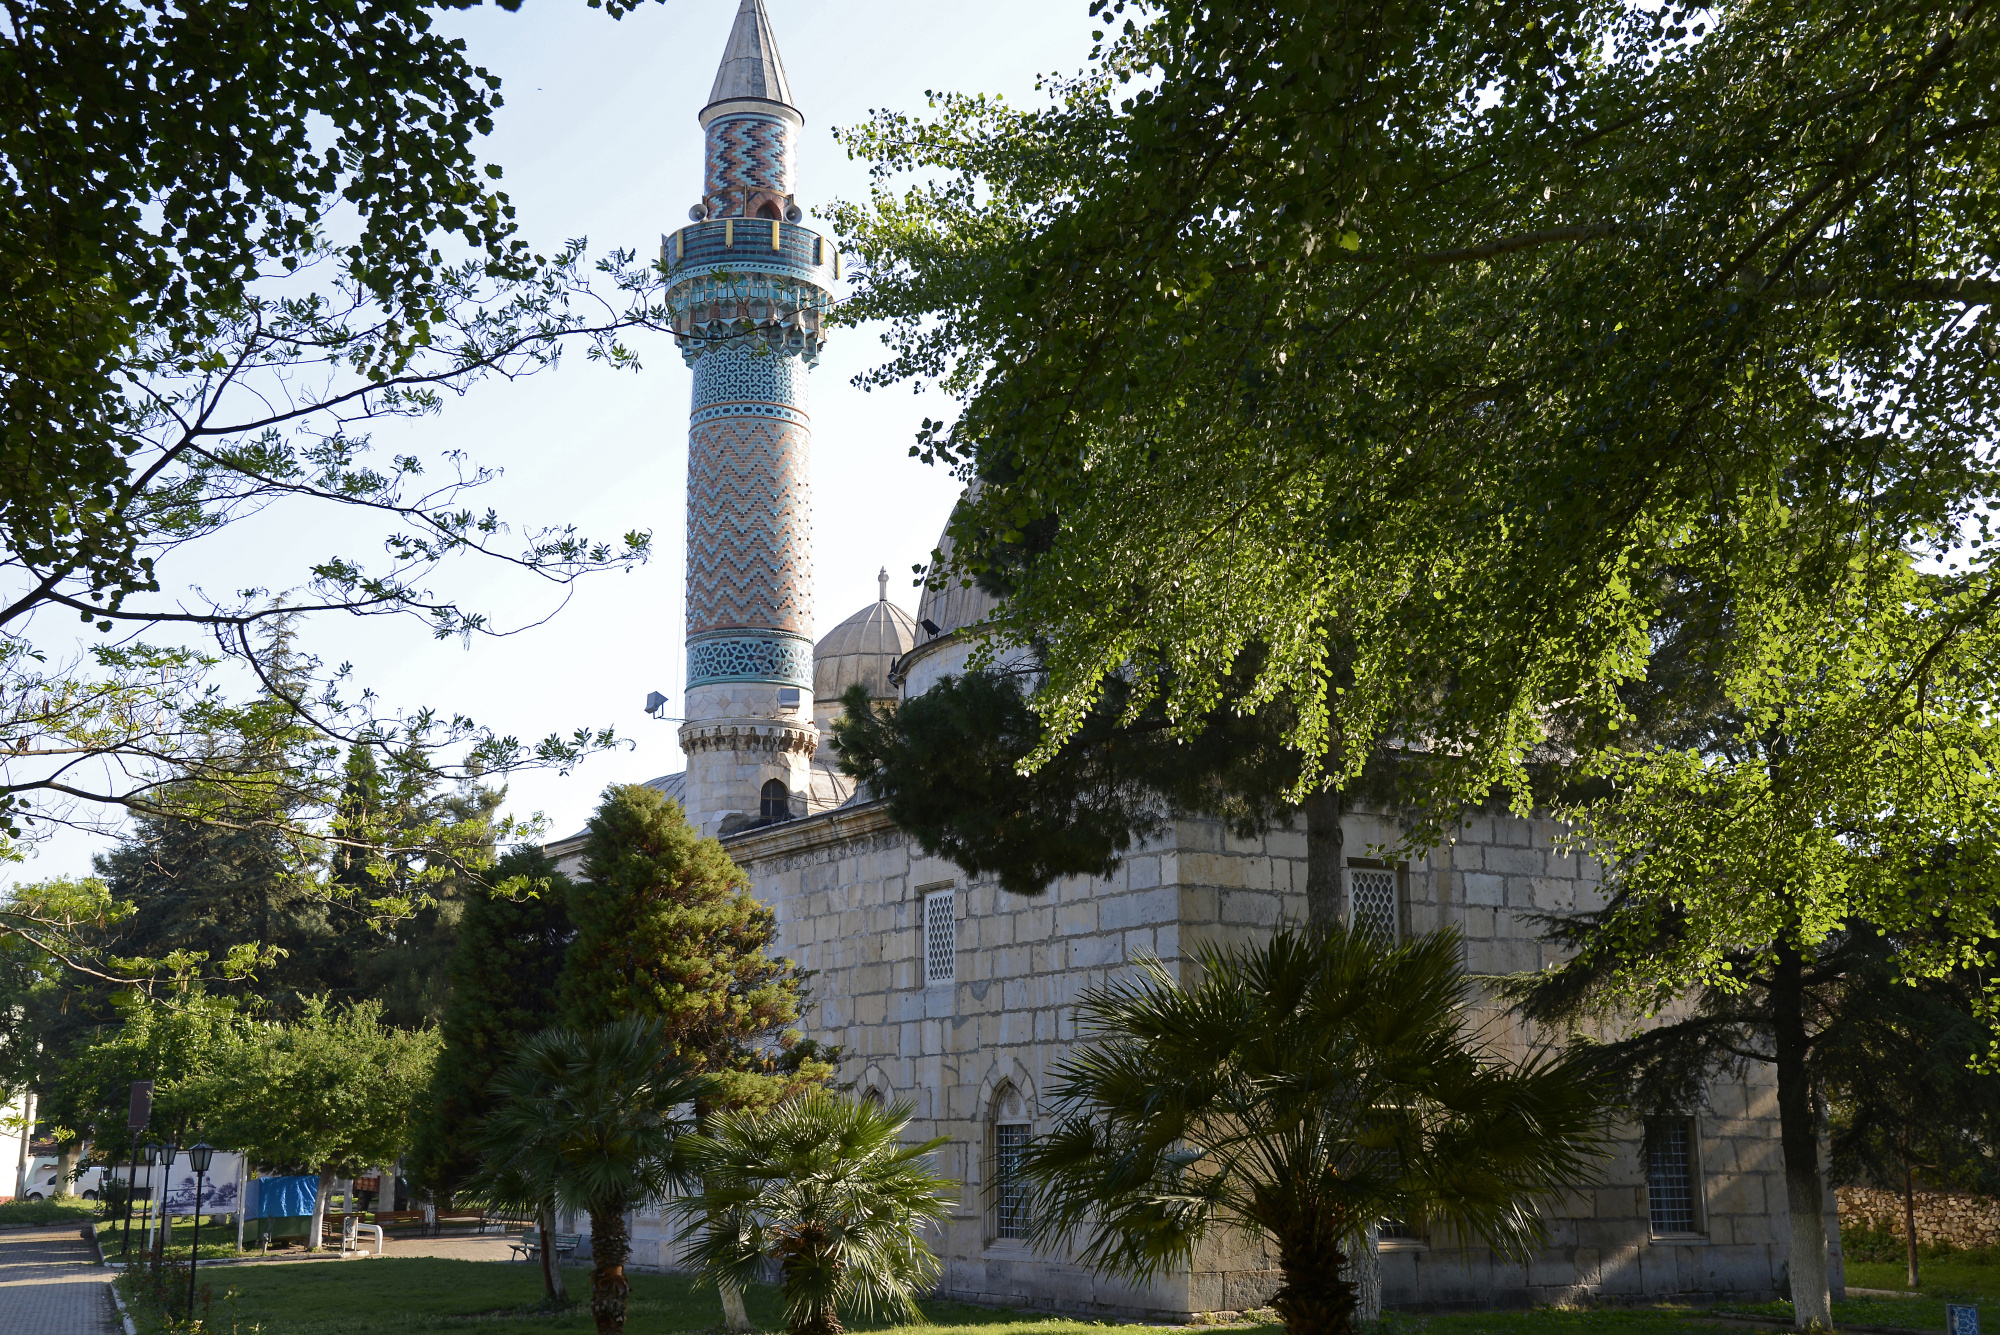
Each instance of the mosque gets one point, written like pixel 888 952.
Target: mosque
pixel 955 997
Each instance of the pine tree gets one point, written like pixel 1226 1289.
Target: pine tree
pixel 666 928
pixel 504 974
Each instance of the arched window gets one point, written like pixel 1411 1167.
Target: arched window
pixel 777 801
pixel 872 1098
pixel 1010 1146
pixel 768 210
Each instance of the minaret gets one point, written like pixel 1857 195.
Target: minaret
pixel 748 288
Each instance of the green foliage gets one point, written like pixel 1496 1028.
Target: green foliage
pixel 334 1090
pixel 667 929
pixel 504 972
pixel 823 1186
pixel 1453 328
pixel 1298 1092
pixel 949 763
pixel 173 1041
pixel 589 1120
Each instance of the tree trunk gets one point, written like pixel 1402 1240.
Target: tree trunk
pixel 1326 860
pixel 553 1290
pixel 1910 1217
pixel 65 1165
pixel 735 1317
pixel 1316 1297
pixel 610 1244
pixel 1798 1135
pixel 1364 1260
pixel 317 1225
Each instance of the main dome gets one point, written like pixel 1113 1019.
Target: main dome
pixel 956 605
pixel 862 649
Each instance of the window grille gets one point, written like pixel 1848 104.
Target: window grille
pixel 1371 898
pixel 1670 1178
pixel 939 936
pixel 1010 1185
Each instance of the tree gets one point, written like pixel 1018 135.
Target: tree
pixel 1843 790
pixel 1908 1098
pixel 666 928
pixel 85 1085
pixel 1448 329
pixel 823 1186
pixel 1298 1092
pixel 589 1120
pixel 184 347
pixel 332 1092
pixel 504 974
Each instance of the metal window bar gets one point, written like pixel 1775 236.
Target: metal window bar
pixel 1010 1186
pixel 1670 1179
pixel 939 937
pixel 1371 897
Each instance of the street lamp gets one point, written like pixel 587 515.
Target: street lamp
pixel 199 1157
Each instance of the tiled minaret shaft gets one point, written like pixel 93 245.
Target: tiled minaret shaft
pixel 748 287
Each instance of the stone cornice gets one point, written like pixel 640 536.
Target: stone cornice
pixel 749 735
pixel 809 833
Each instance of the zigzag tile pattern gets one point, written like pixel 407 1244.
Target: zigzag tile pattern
pixel 749 534
pixel 747 153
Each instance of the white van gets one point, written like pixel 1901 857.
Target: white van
pixel 42 1180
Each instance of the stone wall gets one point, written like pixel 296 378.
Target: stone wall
pixel 1954 1218
pixel 848 890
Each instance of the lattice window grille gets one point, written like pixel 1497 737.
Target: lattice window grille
pixel 1670 1178
pixel 1010 1147
pixel 1371 896
pixel 940 936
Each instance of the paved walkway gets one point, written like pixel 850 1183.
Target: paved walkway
pixel 50 1284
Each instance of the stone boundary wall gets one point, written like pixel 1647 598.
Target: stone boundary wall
pixel 1958 1218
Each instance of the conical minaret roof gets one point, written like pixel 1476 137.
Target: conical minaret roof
pixel 750 64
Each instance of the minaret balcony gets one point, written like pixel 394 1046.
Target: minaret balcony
pixel 751 281
pixel 750 243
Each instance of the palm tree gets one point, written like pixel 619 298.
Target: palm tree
pixel 589 1121
pixel 823 1186
pixel 1300 1092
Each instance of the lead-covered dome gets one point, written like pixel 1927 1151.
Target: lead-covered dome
pixel 955 606
pixel 862 649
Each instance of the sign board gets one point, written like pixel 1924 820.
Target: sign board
pixel 220 1193
pixel 142 1106
pixel 1961 1320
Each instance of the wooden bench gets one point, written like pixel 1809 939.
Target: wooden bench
pixel 397 1218
pixel 476 1219
pixel 529 1246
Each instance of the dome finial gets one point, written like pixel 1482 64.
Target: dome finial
pixel 882 579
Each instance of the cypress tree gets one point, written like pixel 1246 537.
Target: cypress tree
pixel 667 929
pixel 504 974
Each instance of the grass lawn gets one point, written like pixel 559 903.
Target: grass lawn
pixel 1970 1275
pixel 393 1295
pixel 218 1240
pixel 14 1214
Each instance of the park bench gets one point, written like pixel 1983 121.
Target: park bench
pixel 528 1247
pixel 475 1219
pixel 397 1218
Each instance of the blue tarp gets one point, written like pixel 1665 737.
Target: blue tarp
pixel 280 1197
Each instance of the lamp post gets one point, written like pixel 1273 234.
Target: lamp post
pixel 141 1154
pixel 198 1159
pixel 167 1153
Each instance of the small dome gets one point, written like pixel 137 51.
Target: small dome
pixel 863 648
pixel 955 606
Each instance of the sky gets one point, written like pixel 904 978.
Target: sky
pixel 599 139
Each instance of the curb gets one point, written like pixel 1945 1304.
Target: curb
pixel 97 1249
